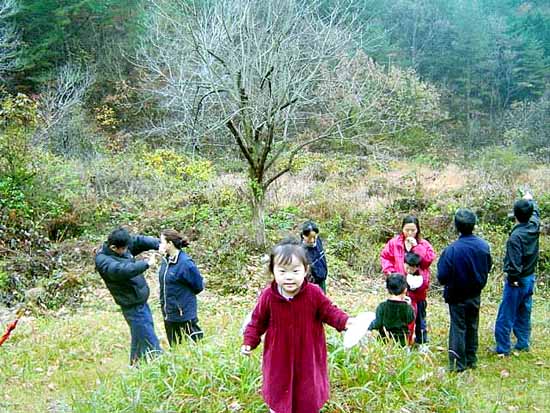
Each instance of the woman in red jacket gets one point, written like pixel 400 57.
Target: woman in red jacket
pixel 291 312
pixel 392 259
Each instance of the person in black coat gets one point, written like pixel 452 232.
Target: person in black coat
pixel 180 281
pixel 123 276
pixel 520 262
pixel 315 253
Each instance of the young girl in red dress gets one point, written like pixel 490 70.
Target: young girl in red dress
pixel 291 311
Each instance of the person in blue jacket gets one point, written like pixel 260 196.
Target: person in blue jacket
pixel 520 261
pixel 315 254
pixel 463 269
pixel 180 282
pixel 123 276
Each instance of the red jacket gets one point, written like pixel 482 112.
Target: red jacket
pixel 392 259
pixel 295 373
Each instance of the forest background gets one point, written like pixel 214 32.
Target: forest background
pixel 234 122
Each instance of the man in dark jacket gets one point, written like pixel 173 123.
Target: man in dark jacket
pixel 123 275
pixel 315 254
pixel 520 260
pixel 463 269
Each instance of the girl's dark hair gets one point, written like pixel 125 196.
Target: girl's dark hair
pixel 411 219
pixel 309 226
pixel 283 252
pixel 412 259
pixel 396 283
pixel 175 238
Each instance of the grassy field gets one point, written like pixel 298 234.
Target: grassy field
pixel 77 362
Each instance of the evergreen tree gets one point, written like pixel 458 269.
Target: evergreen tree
pixel 56 31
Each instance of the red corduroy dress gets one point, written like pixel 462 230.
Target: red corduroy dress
pixel 295 373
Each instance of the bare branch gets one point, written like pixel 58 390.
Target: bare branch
pixel 238 138
pixel 272 73
pixel 58 99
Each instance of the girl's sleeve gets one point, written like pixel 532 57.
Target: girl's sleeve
pixel 425 281
pixel 387 259
pixel 258 323
pixel 330 314
pixel 192 277
pixel 426 253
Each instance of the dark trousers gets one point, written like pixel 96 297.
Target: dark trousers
pixel 321 283
pixel 176 331
pixel 420 328
pixel 463 334
pixel 142 330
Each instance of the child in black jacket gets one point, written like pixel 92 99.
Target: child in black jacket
pixel 395 314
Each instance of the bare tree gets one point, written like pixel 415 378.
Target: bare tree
pixel 262 70
pixel 60 100
pixel 9 38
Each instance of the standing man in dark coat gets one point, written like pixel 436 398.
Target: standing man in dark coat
pixel 123 275
pixel 463 270
pixel 520 260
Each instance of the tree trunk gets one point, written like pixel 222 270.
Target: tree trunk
pixel 258 209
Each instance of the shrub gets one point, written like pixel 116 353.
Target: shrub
pixel 504 163
pixel 17 171
pixel 169 162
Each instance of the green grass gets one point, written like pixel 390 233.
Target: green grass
pixel 78 363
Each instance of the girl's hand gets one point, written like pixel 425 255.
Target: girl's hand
pixel 351 321
pixel 410 242
pixel 246 350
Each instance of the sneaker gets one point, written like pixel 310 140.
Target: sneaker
pixel 424 349
pixel 493 351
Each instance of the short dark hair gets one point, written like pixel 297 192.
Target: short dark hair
pixel 523 210
pixel 120 237
pixel 411 219
pixel 283 252
pixel 309 226
pixel 396 283
pixel 173 236
pixel 412 258
pixel 465 221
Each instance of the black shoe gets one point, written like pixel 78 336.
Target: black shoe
pixel 454 370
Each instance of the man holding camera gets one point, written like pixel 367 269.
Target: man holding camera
pixel 123 276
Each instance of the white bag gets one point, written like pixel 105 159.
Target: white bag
pixel 414 281
pixel 358 329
